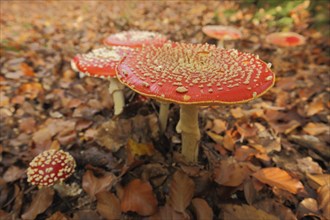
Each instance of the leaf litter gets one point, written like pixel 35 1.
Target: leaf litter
pixel 267 159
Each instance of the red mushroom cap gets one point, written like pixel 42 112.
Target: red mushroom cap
pixel 285 39
pixel 50 167
pixel 135 39
pixel 195 74
pixel 99 62
pixel 222 32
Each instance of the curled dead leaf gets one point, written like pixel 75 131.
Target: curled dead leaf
pixel 181 191
pixel 274 176
pixel 93 185
pixel 40 202
pixel 202 210
pixel 237 212
pixel 138 197
pixel 324 199
pixel 108 205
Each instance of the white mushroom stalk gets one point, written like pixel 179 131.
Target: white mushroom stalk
pixel 116 90
pixel 163 115
pixel 101 63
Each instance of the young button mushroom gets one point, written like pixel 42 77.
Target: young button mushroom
pixel 222 33
pixel 192 75
pixel 135 39
pixel 102 63
pixel 285 39
pixel 50 167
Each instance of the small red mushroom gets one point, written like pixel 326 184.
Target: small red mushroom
pixel 222 33
pixel 102 63
pixel 135 39
pixel 192 75
pixel 285 39
pixel 50 167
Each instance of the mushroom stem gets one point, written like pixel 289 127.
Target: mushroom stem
pixel 116 90
pixel 163 115
pixel 190 132
pixel 221 43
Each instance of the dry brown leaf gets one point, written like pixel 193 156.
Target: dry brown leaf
pixel 202 210
pixel 277 177
pixel 27 70
pixel 138 197
pixel 315 181
pixel 13 173
pixel 247 130
pixel 316 106
pixel 250 192
pixel 231 173
pixel 108 205
pixel 324 199
pixel 140 149
pixel 93 185
pixel 218 126
pixel 271 206
pixel 244 153
pixel 27 125
pixel 316 128
pixel 307 165
pixel 307 207
pixel 181 191
pixel 228 141
pixel 40 202
pixel 215 137
pixel 31 90
pixel 168 213
pixel 58 216
pixel 244 212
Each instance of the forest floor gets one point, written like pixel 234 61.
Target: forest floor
pixel 268 159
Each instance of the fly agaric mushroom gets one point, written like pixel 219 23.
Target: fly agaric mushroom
pixel 192 75
pixel 50 167
pixel 222 33
pixel 135 39
pixel 285 39
pixel 102 63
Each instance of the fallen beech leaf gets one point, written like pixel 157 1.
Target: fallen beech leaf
pixel 202 210
pixel 13 173
pixel 27 125
pixel 250 192
pixel 108 205
pixel 93 185
pixel 316 106
pixel 218 126
pixel 4 100
pixel 307 207
pixel 27 70
pixel 140 149
pixel 316 128
pixel 274 176
pixel 40 202
pixel 58 216
pixel 168 213
pixel 307 165
pixel 247 130
pixel 215 137
pixel 181 191
pixel 31 90
pixel 138 197
pixel 324 199
pixel 315 181
pixel 244 153
pixel 271 206
pixel 228 141
pixel 231 212
pixel 231 173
